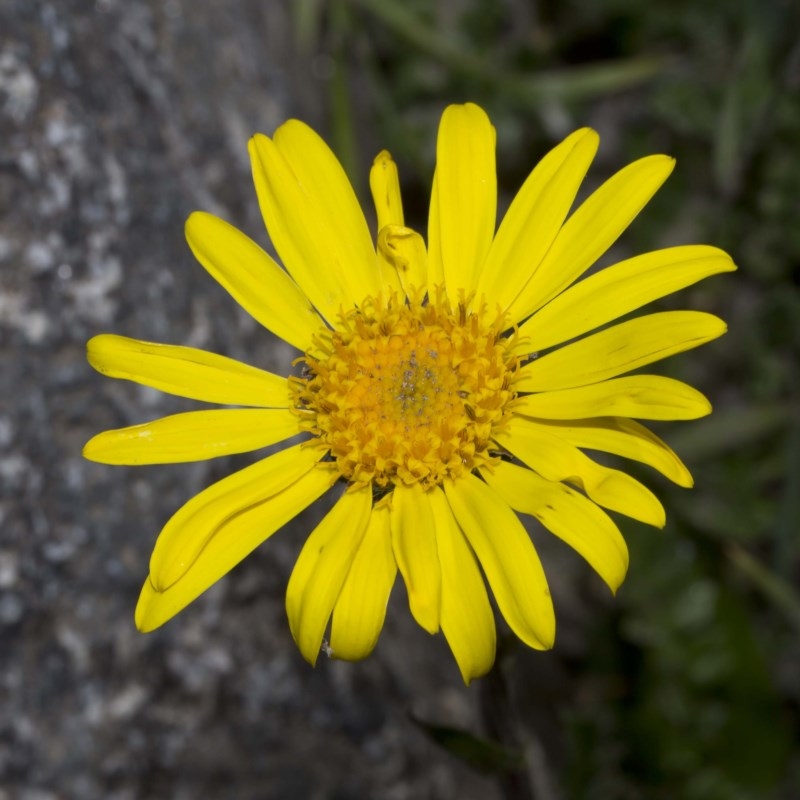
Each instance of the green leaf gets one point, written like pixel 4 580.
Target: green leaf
pixel 780 593
pixel 728 430
pixel 481 754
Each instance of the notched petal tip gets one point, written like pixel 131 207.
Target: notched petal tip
pixel 668 162
pixel 383 160
pixel 255 144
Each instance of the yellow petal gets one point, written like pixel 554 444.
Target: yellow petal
pixel 639 396
pixel 619 349
pixel 331 201
pixel 592 229
pixel 435 267
pixel 187 372
pixel 568 514
pixel 467 617
pixel 616 290
pixel 207 515
pixel 508 558
pixel 216 529
pixel 403 251
pixel 414 545
pixel 297 232
pixel 384 184
pixel 622 437
pixel 322 567
pixel 193 436
pixel 466 181
pixel 535 217
pixel 557 460
pixel 253 279
pixel 361 608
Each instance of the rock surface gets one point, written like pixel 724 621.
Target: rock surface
pixel 116 120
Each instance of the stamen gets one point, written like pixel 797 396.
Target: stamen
pixel 407 392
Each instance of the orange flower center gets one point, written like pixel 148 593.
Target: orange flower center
pixel 407 392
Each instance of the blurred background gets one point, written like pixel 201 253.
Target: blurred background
pixel 117 119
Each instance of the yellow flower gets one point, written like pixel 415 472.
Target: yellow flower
pixel 444 387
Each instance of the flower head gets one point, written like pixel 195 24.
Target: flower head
pixel 444 387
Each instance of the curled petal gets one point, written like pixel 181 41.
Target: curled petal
pixel 403 251
pixel 384 184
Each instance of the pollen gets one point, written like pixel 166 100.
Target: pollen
pixel 407 391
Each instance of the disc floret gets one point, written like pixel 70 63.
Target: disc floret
pixel 408 391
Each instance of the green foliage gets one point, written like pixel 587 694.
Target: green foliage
pixel 479 752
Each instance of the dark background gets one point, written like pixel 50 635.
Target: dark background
pixel 117 119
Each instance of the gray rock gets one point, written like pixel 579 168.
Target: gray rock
pixel 116 120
